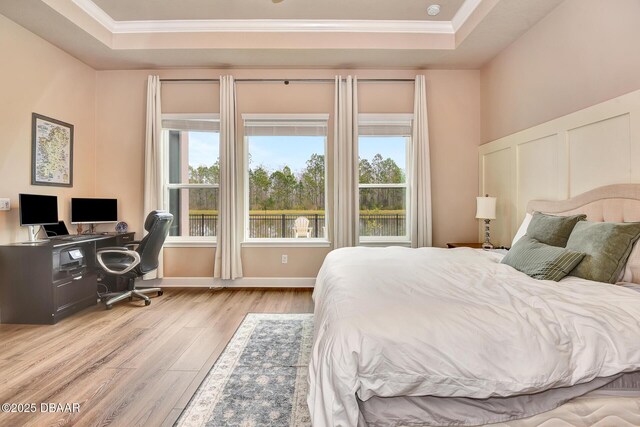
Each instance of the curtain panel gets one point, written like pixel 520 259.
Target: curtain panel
pixel 153 160
pixel 228 262
pixel 420 173
pixel 345 163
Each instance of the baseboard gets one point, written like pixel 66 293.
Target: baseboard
pixel 245 282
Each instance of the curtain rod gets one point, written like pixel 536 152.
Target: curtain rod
pixel 283 80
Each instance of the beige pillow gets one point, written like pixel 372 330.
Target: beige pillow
pixel 631 271
pixel 523 229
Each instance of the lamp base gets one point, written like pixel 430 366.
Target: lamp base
pixel 487 243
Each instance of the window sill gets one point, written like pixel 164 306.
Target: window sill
pixel 280 243
pixel 190 243
pixel 382 243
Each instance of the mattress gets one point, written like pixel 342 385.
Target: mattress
pixel 615 403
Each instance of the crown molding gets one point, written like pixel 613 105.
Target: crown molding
pixel 282 26
pixel 465 11
pixel 95 12
pixel 275 25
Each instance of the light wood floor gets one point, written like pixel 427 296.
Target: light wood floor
pixel 132 365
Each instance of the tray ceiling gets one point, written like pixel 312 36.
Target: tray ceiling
pixel 147 34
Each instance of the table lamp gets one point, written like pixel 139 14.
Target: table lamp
pixel 486 209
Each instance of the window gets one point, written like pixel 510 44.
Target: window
pixel 286 176
pixel 192 174
pixel 384 144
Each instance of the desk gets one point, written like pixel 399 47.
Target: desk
pixel 44 282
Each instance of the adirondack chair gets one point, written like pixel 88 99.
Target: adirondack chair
pixel 301 227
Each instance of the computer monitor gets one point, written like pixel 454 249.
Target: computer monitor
pixel 36 210
pixel 93 211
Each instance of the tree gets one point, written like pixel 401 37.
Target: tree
pixel 312 183
pixel 260 186
pixel 283 184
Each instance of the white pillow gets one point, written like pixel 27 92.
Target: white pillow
pixel 631 271
pixel 523 228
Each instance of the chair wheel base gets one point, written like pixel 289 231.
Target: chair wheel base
pixel 109 306
pixel 147 302
pixel 160 293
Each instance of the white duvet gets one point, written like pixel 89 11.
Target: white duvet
pixel 456 322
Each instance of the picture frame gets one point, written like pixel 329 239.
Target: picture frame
pixel 51 152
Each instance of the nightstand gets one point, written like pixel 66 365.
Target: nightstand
pixel 464 245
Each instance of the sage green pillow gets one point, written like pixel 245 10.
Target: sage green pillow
pixel 607 246
pixel 541 261
pixel 552 230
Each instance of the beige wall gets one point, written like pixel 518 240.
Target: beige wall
pixel 37 77
pixel 584 52
pixel 453 102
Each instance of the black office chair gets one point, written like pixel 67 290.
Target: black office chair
pixel 130 263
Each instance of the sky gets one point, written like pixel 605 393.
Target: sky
pixel 274 152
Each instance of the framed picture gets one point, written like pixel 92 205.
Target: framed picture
pixel 51 152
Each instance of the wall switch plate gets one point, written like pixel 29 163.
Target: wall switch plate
pixel 285 259
pixel 5 204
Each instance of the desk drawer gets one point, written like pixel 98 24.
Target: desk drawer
pixel 79 290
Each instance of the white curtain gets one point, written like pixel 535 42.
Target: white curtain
pixel 345 160
pixel 153 159
pixel 228 263
pixel 420 172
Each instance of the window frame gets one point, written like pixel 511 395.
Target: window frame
pixel 380 120
pixel 248 241
pixel 185 241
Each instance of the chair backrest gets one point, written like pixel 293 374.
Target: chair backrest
pixel 157 224
pixel 301 223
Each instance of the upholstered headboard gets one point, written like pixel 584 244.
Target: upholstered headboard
pixel 611 203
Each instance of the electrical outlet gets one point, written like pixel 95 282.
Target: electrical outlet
pixel 285 259
pixel 5 204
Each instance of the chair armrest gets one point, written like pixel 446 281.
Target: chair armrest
pixel 122 251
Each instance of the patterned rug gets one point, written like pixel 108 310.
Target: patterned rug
pixel 261 377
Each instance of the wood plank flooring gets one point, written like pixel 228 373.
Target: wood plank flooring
pixel 132 365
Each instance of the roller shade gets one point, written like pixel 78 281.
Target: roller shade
pixel 301 125
pixel 385 124
pixel 209 123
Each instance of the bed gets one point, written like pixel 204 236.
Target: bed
pixel 431 336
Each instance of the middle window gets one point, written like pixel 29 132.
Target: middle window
pixel 285 183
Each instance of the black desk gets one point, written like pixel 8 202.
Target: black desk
pixel 44 282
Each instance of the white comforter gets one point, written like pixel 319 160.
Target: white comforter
pixel 456 322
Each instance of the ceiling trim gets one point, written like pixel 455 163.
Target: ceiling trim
pixel 278 25
pixel 283 26
pixel 465 11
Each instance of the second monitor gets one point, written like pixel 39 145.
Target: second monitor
pixel 94 211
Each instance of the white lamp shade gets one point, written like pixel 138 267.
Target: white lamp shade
pixel 486 208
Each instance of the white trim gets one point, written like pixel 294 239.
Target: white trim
pixel 275 25
pixel 96 12
pixel 195 186
pixel 383 118
pixel 282 26
pixel 190 242
pixel 191 116
pixel 381 185
pixel 379 241
pixel 463 14
pixel 284 243
pixel 245 282
pixel 286 117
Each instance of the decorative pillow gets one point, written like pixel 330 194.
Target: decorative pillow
pixel 607 246
pixel 523 228
pixel 552 230
pixel 541 261
pixel 631 271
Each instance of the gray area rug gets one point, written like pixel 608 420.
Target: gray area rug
pixel 261 377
